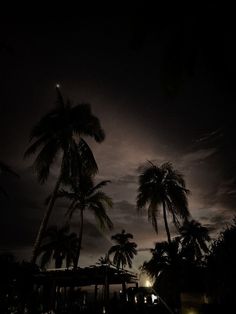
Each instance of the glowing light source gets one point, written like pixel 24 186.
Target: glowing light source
pixel 148 283
pixel 57 85
pixel 192 311
pixel 154 297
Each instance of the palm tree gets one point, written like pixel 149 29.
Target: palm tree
pixel 161 258
pixel 58 244
pixel 221 270
pixel 194 238
pixel 124 250
pixel 59 134
pixel 163 186
pixel 85 195
pixel 166 271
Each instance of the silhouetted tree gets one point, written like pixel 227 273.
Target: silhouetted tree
pixel 163 186
pixel 165 268
pixel 221 271
pixel 194 238
pixel 59 134
pixel 124 251
pixel 58 244
pixel 161 258
pixel 84 194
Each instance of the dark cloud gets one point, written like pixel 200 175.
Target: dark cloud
pixel 127 179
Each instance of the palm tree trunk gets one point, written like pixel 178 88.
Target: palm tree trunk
pixel 166 223
pixel 176 292
pixel 45 220
pixel 80 238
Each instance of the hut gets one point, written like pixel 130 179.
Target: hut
pixel 63 289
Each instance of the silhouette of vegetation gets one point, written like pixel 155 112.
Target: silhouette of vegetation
pixel 221 271
pixel 60 134
pixel 178 266
pixel 194 240
pixel 83 195
pixel 186 45
pixel 124 250
pixel 103 260
pixel 163 186
pixel 58 244
pixel 165 268
pixel 161 258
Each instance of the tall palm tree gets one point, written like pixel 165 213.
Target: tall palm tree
pixel 124 250
pixel 59 134
pixel 85 195
pixel 58 244
pixel 163 186
pixel 194 238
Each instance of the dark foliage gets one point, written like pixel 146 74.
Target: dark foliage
pixel 124 251
pixel 221 269
pixel 163 186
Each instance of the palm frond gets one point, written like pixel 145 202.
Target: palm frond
pixel 100 197
pixel 113 249
pixel 101 216
pixel 35 146
pixel 87 160
pixel 85 123
pixel 100 185
pixel 194 238
pixel 124 251
pixel 162 185
pixel 45 159
pixel 152 216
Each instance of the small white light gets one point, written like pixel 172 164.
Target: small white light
pixel 135 299
pixel 154 297
pixel 145 299
pixel 57 85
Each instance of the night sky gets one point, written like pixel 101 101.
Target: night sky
pixel 163 87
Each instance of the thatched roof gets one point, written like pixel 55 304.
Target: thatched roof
pixel 93 275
